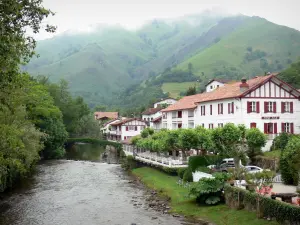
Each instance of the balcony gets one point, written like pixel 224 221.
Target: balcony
pixel 115 132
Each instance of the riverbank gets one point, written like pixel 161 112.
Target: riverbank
pixel 180 203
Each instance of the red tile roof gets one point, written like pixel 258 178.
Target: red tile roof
pixel 126 121
pixel 151 111
pixel 110 115
pixel 231 90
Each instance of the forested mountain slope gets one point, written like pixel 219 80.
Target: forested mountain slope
pixel 120 68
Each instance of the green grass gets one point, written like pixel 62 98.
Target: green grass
pixel 181 204
pixel 175 88
pixel 273 154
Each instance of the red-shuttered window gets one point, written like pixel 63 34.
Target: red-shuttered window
pixel 253 107
pixel 287 107
pixel 220 108
pixel 270 128
pixel 231 108
pixel 252 125
pixel 202 108
pixel 270 107
pixel 211 126
pixel 126 128
pixel 287 128
pixel 210 109
pixel 135 128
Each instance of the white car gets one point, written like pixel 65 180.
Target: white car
pixel 253 169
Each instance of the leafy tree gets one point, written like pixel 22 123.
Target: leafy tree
pixel 291 75
pixel 204 138
pixel 255 141
pixel 187 139
pixel 191 91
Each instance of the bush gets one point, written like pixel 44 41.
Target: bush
pixel 280 142
pixel 289 172
pixel 181 171
pixel 203 169
pixel 170 171
pixel 266 207
pixel 209 191
pixel 188 175
pixel 128 163
pixel 203 161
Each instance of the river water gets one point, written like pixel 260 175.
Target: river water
pixel 68 192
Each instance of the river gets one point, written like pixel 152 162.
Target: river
pixel 69 192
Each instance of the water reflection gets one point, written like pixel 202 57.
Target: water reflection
pixel 82 151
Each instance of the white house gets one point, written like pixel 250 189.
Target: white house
pixel 266 102
pixel 126 129
pixel 214 84
pixel 166 101
pixel 153 116
pixel 107 126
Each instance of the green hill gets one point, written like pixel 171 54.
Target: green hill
pixel 120 68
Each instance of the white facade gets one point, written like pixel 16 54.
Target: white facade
pixel 125 130
pixel 168 101
pixel 151 116
pixel 105 129
pixel 273 107
pixel 179 119
pixel 213 85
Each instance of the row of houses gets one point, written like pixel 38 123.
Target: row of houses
pixel 264 102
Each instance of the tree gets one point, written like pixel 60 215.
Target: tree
pixel 204 138
pixel 187 140
pixel 255 141
pixel 228 141
pixel 191 91
pixel 190 68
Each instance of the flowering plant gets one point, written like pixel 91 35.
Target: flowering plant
pixel 264 190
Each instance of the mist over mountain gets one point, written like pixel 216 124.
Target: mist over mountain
pixel 118 67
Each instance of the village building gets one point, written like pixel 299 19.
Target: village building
pixel 103 117
pixel 153 116
pixel 125 129
pixel 265 102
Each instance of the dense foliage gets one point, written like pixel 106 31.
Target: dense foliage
pixel 290 161
pixel 263 206
pixel 209 190
pixel 35 116
pixel 203 161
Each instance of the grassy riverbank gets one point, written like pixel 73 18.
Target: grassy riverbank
pixel 180 203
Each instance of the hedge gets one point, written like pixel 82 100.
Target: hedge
pixel 265 207
pixel 206 160
pixel 266 162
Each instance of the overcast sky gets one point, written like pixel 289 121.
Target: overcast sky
pixel 79 14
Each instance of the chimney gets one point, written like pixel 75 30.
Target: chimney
pixel 244 86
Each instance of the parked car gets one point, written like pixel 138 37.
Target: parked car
pixel 225 166
pixel 254 169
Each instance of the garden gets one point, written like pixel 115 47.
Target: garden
pixel 223 192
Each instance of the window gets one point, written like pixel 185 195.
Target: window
pixel 202 110
pixel 174 126
pixel 220 108
pixel 211 87
pixel 270 107
pixel 270 128
pixel 287 107
pixel 174 114
pixel 230 108
pixel 135 128
pixel 252 125
pixel 211 126
pixel 210 109
pixel 191 125
pixel 202 125
pixel 165 116
pixel 179 125
pixel 179 114
pixel 131 128
pixel 287 128
pixel 253 107
pixel 220 124
pixel 191 113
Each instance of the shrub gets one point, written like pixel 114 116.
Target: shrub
pixel 280 142
pixel 188 175
pixel 289 172
pixel 203 161
pixel 209 190
pixel 203 169
pixel 128 163
pixel 170 171
pixel 181 171
pixel 264 206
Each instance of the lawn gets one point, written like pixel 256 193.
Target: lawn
pixel 182 204
pixel 273 154
pixel 175 88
